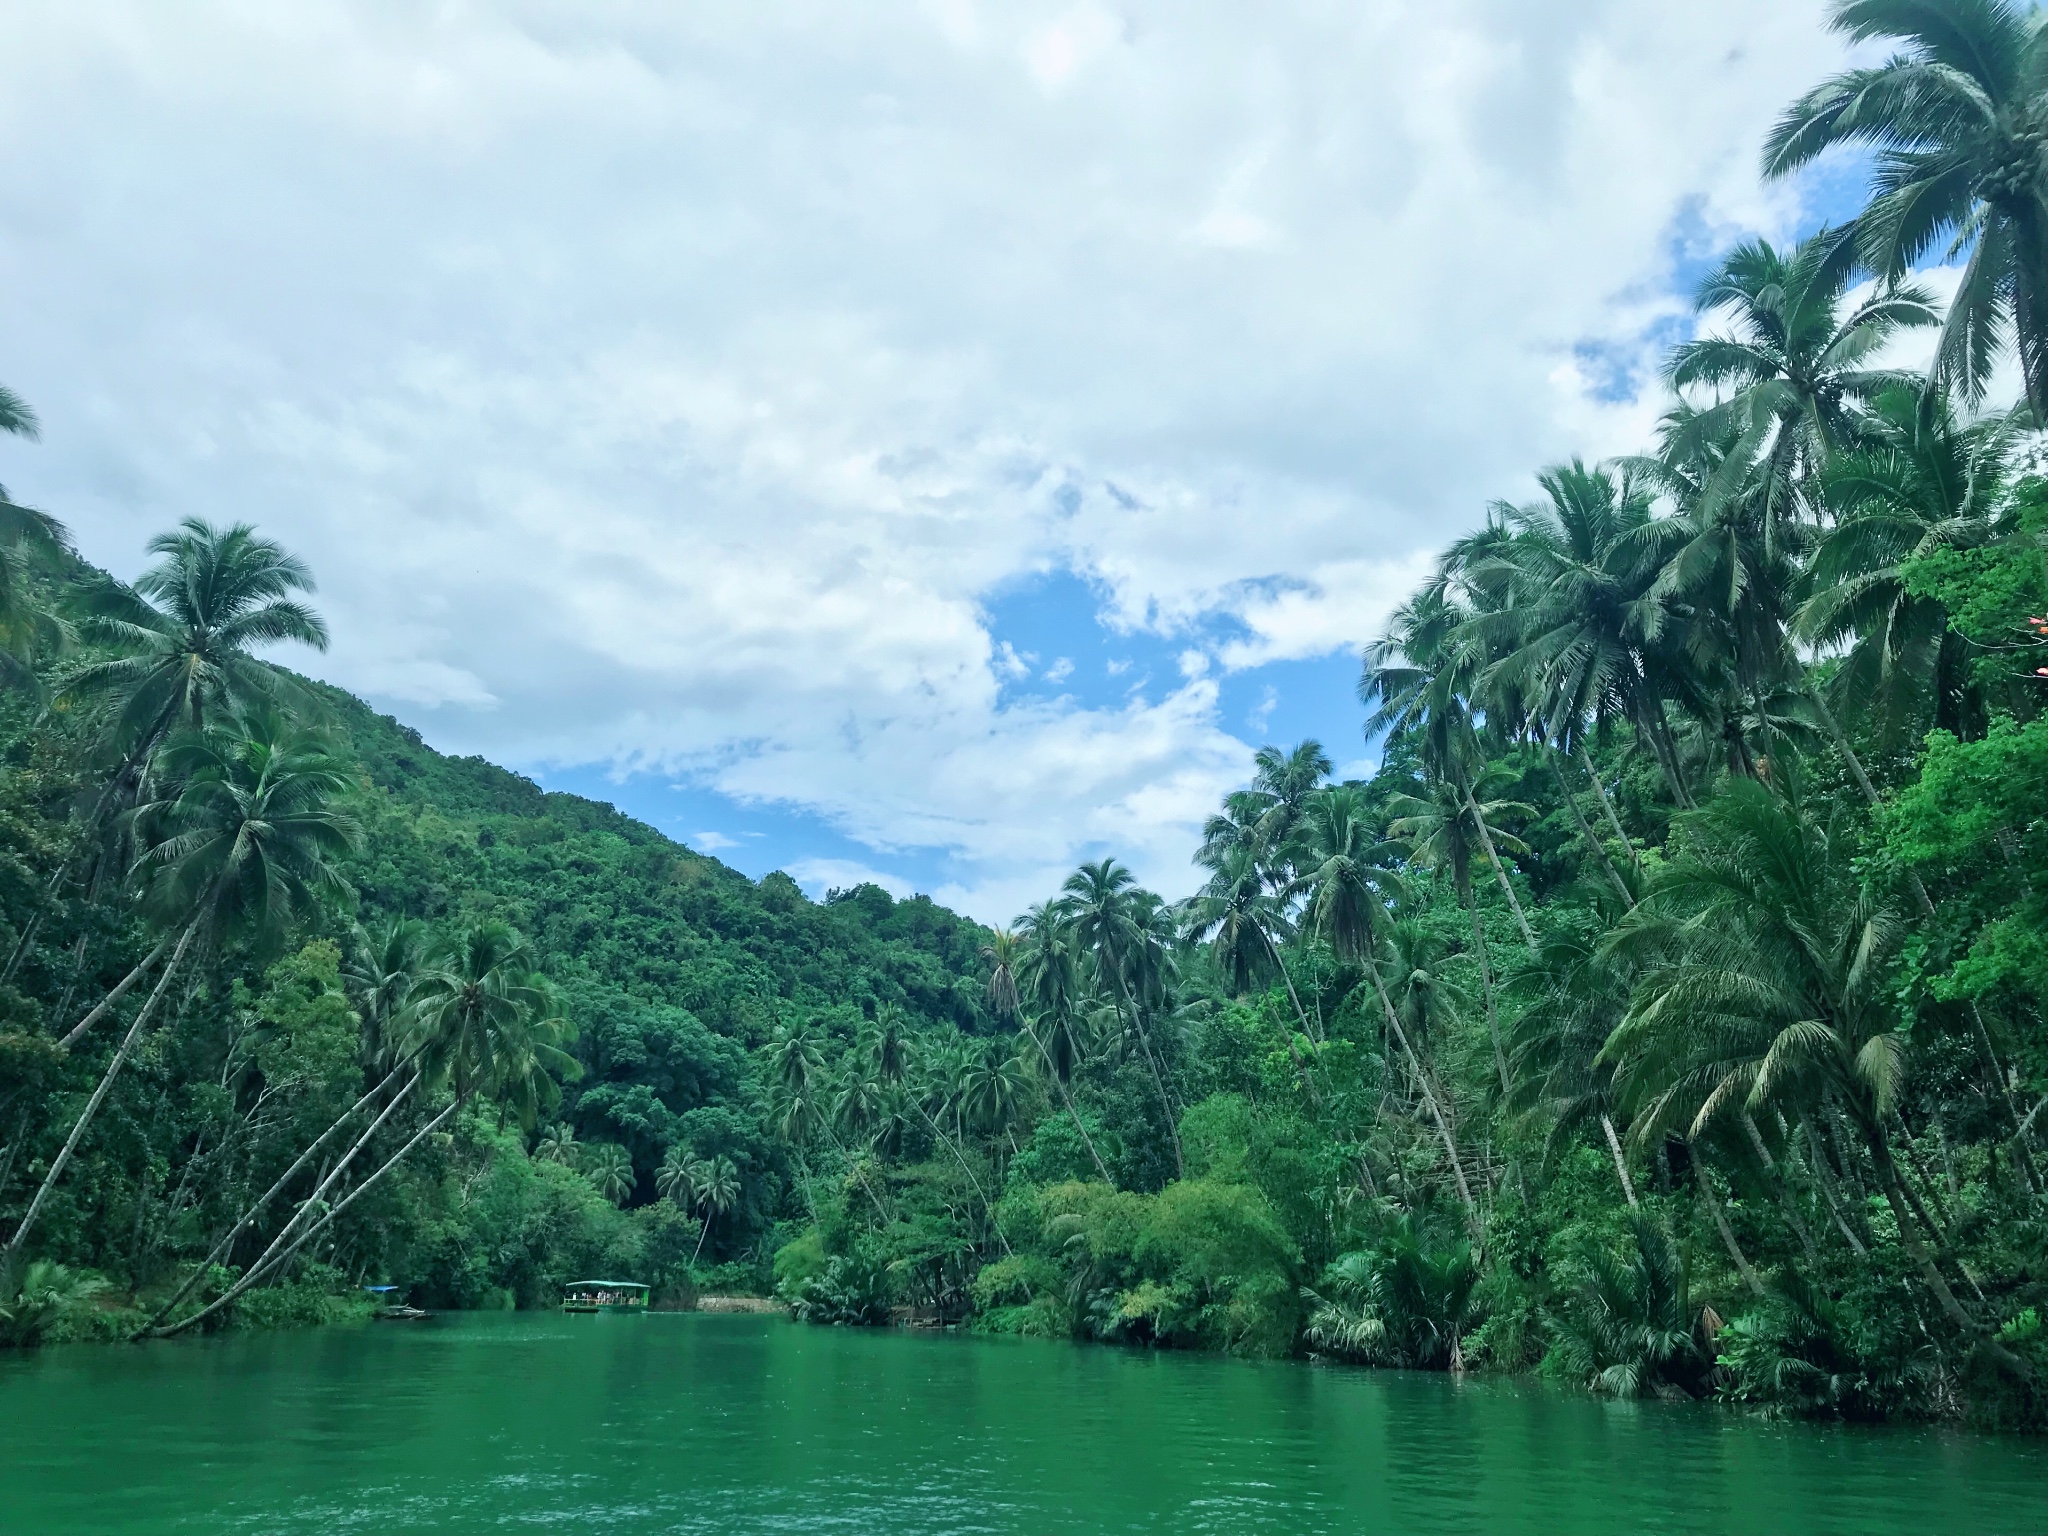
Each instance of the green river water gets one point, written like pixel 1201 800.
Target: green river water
pixel 745 1425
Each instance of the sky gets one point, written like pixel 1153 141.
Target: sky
pixel 929 441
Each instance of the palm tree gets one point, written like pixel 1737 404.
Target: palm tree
pixel 1243 924
pixel 1585 641
pixel 678 1176
pixel 1767 983
pixel 1108 925
pixel 715 1192
pixel 1958 117
pixel 30 542
pixel 1574 994
pixel 1787 370
pixel 183 633
pixel 1346 888
pixel 558 1144
pixel 1437 829
pixel 382 965
pixel 1047 987
pixel 482 1022
pixel 1924 483
pixel 181 638
pixel 243 839
pixel 609 1167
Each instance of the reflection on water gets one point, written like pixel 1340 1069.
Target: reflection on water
pixel 748 1426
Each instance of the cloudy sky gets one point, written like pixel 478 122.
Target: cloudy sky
pixel 925 440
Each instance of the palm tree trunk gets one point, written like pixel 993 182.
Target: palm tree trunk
pixel 226 1245
pixel 306 1207
pixel 1628 1187
pixel 99 1094
pixel 1300 1067
pixel 703 1231
pixel 1180 1167
pixel 960 1156
pixel 1066 1098
pixel 1500 874
pixel 259 1271
pixel 1713 1202
pixel 1607 805
pixel 1429 1096
pixel 1586 832
pixel 120 990
pixel 1500 1059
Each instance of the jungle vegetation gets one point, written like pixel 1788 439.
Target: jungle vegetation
pixel 1664 1013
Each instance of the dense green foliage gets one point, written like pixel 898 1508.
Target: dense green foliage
pixel 1665 1012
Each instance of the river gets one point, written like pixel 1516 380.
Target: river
pixel 742 1425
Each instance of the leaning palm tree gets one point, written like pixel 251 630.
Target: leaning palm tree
pixel 1047 984
pixel 1767 983
pixel 716 1192
pixel 483 1023
pixel 1958 118
pixel 1107 922
pixel 243 839
pixel 1346 887
pixel 1244 923
pixel 677 1178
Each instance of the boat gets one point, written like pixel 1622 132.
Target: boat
pixel 604 1296
pixel 391 1306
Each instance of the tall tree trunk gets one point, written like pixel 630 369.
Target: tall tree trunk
pixel 1067 1098
pixel 1607 805
pixel 1429 1096
pixel 1180 1167
pixel 120 991
pixel 1300 1067
pixel 1500 1059
pixel 1500 874
pixel 1599 848
pixel 987 1204
pixel 258 1272
pixel 225 1246
pixel 1713 1202
pixel 99 1094
pixel 1628 1186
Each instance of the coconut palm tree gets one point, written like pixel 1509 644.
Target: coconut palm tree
pixel 1923 483
pixel 1786 368
pixel 1109 924
pixel 1767 984
pixel 609 1167
pixel 1586 641
pixel 183 634
pixel 558 1144
pixel 1346 889
pixel 1573 995
pixel 243 839
pixel 31 543
pixel 1048 990
pixel 716 1191
pixel 677 1178
pixel 1244 923
pixel 483 1023
pixel 1957 116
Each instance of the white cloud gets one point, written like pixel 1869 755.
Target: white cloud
pixel 712 842
pixel 670 386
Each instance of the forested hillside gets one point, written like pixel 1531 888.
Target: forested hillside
pixel 1664 1014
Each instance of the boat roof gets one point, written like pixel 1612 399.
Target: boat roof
pixel 621 1285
